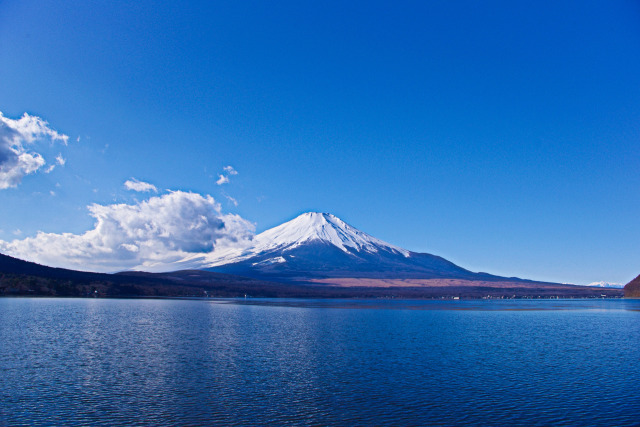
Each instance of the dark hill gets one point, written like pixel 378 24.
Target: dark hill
pixel 632 289
pixel 18 277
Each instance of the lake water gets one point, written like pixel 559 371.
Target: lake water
pixel 327 362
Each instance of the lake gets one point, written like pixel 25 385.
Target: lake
pixel 319 362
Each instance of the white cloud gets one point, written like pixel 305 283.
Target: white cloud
pixel 231 200
pixel 140 186
pixel 61 160
pixel 17 232
pixel 152 235
pixel 16 136
pixel 230 170
pixel 222 180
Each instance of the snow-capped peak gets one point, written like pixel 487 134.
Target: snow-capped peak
pixel 606 285
pixel 324 227
pixel 306 228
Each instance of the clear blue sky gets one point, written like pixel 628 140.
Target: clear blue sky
pixel 502 135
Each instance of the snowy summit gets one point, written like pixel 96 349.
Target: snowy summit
pixel 324 227
pixel 310 227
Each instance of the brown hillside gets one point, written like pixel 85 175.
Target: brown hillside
pixel 632 289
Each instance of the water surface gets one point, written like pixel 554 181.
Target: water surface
pixel 168 362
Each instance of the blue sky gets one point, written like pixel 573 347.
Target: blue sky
pixel 504 136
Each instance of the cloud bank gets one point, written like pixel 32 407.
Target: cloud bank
pixel 17 137
pixel 153 235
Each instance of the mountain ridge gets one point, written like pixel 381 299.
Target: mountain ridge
pixel 20 277
pixel 603 284
pixel 24 278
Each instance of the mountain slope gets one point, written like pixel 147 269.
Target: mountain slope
pixel 632 289
pixel 320 245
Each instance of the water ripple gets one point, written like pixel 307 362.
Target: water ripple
pixel 181 362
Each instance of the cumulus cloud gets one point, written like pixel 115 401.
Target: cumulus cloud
pixel 17 137
pixel 152 235
pixel 140 186
pixel 222 180
pixel 61 160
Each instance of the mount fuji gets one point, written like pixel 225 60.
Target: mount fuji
pixel 320 245
pixel 315 255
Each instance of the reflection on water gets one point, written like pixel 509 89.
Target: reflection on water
pixel 297 362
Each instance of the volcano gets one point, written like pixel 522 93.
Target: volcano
pixel 320 245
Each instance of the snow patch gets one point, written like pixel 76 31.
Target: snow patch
pixel 270 261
